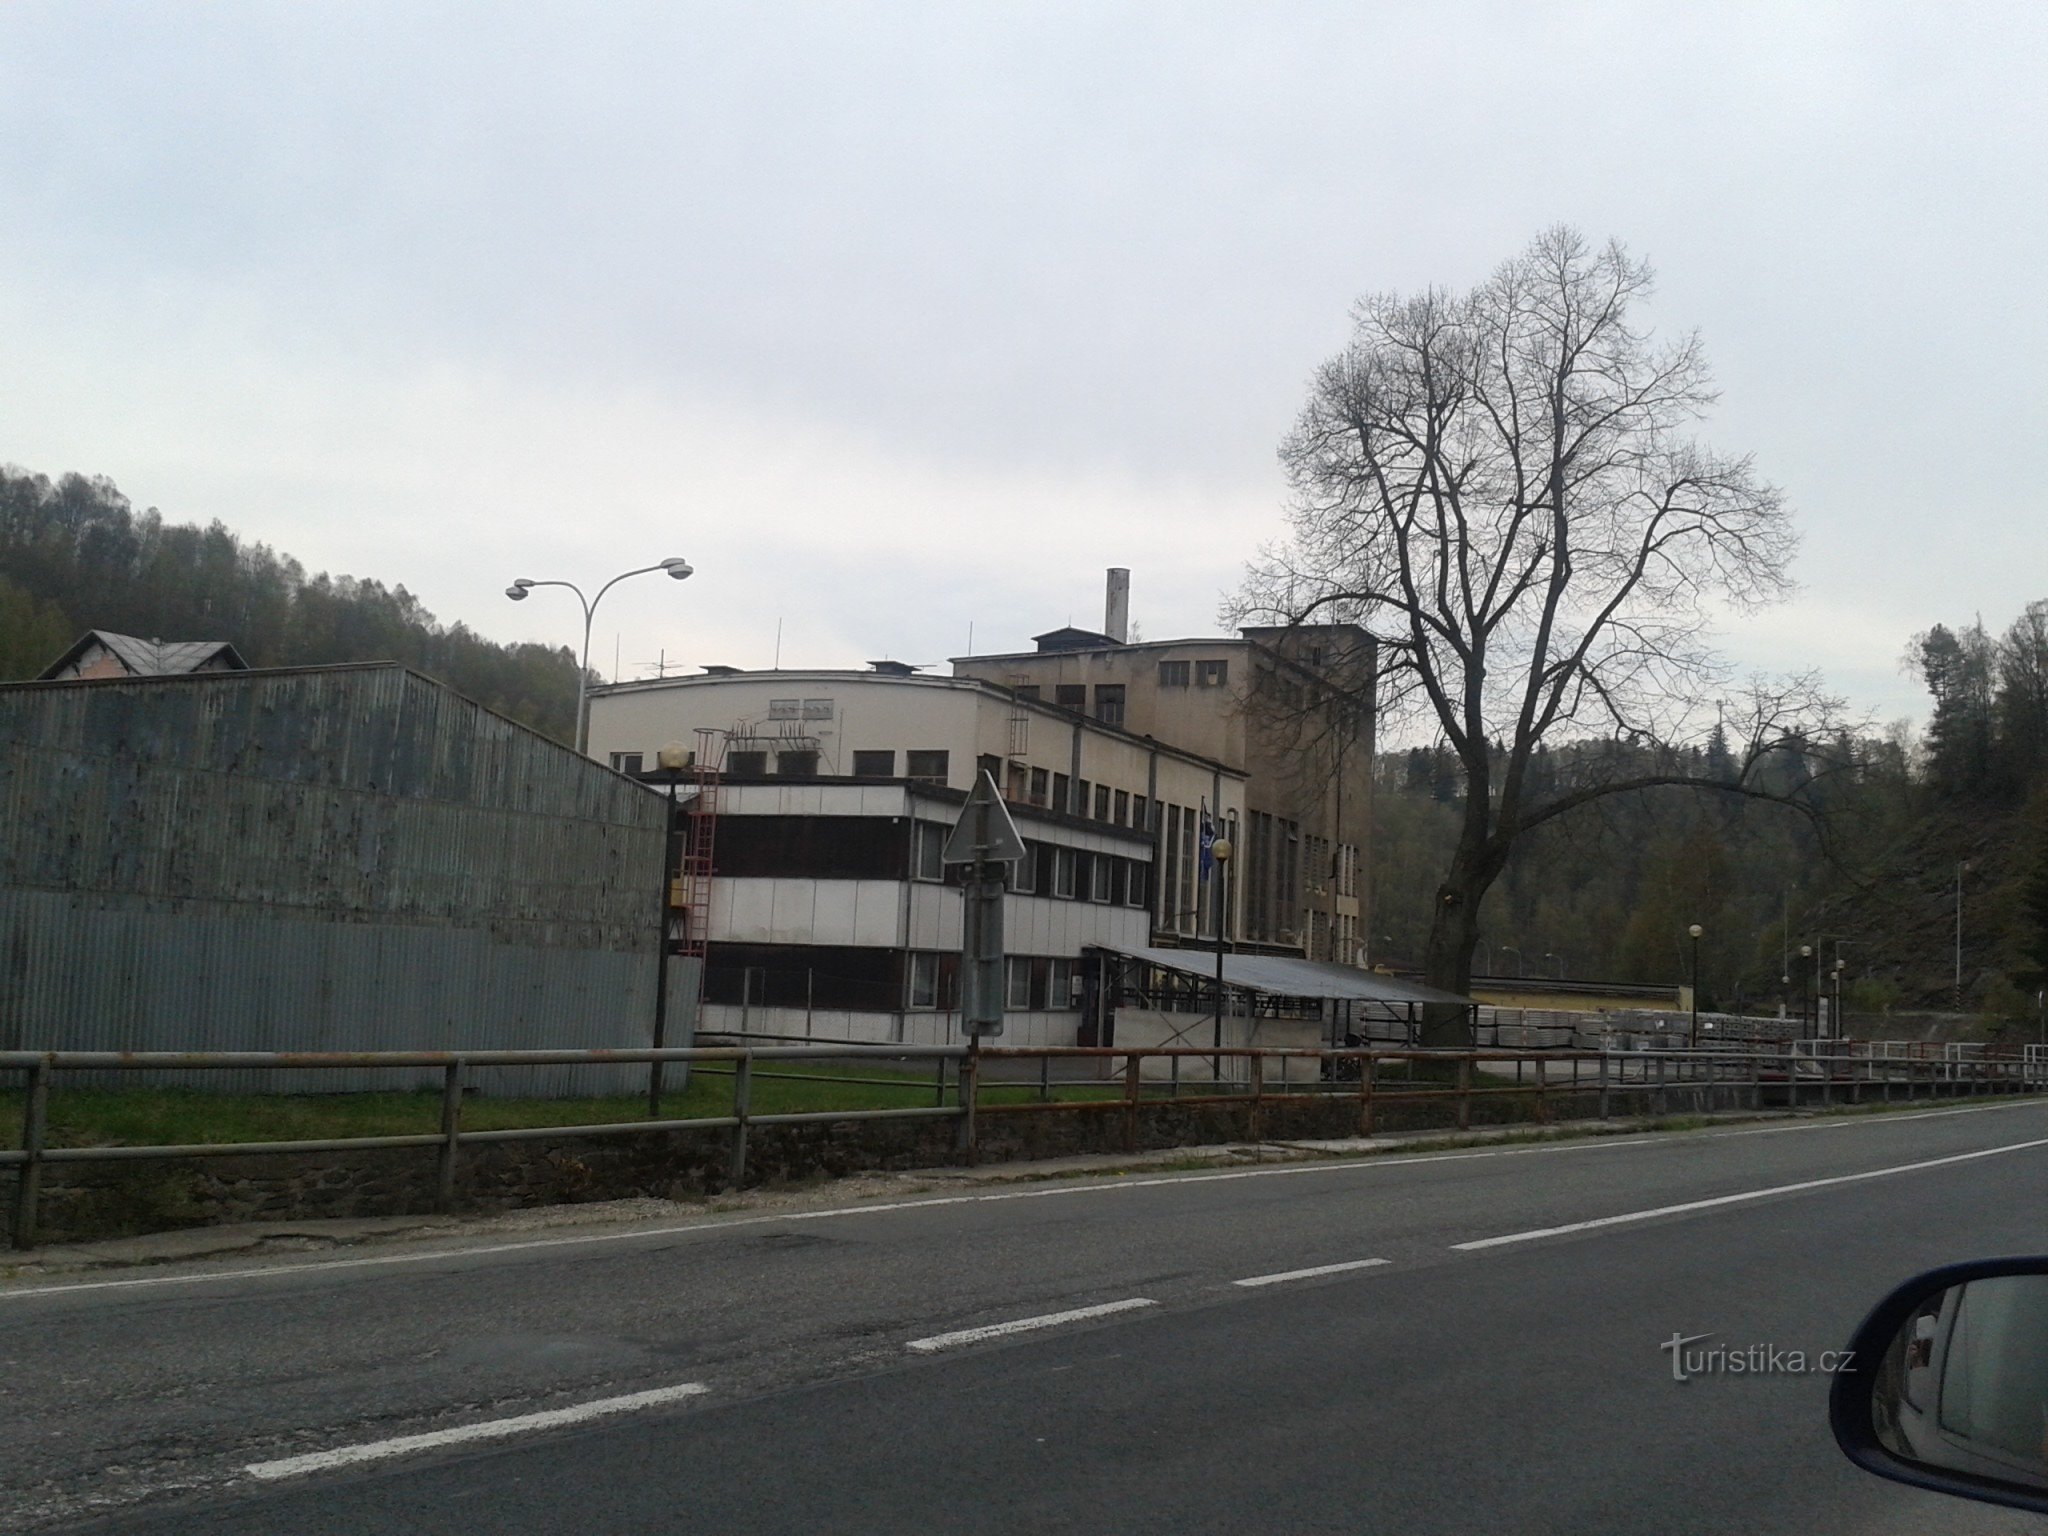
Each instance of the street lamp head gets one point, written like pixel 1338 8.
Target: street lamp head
pixel 517 592
pixel 678 568
pixel 1805 951
pixel 674 757
pixel 1219 850
pixel 1695 930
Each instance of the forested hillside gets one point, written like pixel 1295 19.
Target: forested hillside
pixel 1872 874
pixel 75 555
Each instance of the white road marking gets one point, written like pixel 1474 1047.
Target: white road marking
pixel 1108 1185
pixel 1310 1274
pixel 1025 1325
pixel 1748 1194
pixel 492 1429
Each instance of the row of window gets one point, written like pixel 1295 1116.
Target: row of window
pixel 1030 982
pixel 1070 874
pixel 1039 786
pixel 925 767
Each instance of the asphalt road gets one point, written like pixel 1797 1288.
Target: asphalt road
pixel 1513 1385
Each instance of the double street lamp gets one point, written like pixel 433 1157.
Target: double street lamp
pixel 677 568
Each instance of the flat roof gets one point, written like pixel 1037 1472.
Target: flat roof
pixel 1285 976
pixel 975 685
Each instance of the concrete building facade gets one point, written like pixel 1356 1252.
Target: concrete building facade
pixel 830 914
pixel 1292 708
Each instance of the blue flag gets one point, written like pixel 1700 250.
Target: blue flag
pixel 1208 841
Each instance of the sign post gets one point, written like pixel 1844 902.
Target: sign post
pixel 985 839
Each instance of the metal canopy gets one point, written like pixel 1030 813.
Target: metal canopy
pixel 1284 976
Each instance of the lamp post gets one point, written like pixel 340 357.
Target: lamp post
pixel 1519 963
pixel 678 569
pixel 1962 867
pixel 1560 964
pixel 671 758
pixel 1835 1020
pixel 1693 1036
pixel 1805 954
pixel 1219 850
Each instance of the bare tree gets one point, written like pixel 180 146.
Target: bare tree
pixel 1501 486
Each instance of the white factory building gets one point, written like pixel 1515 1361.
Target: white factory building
pixel 827 912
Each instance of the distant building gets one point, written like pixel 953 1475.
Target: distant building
pixel 1293 709
pixel 96 654
pixel 326 858
pixel 828 911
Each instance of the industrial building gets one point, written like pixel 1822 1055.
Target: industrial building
pixel 1292 708
pixel 818 801
pixel 331 858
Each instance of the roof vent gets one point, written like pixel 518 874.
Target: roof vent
pixel 712 671
pixel 894 668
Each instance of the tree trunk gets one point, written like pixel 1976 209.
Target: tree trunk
pixel 1447 960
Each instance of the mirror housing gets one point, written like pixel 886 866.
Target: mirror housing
pixel 1946 1386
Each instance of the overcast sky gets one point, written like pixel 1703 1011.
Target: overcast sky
pixel 900 319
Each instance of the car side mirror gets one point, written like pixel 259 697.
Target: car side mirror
pixel 1946 1384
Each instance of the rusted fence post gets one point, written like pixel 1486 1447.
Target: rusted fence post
pixel 1258 1074
pixel 1542 1098
pixel 451 1137
pixel 1131 1102
pixel 1464 1093
pixel 970 1093
pixel 1604 1103
pixel 35 1118
pixel 742 1098
pixel 1365 1095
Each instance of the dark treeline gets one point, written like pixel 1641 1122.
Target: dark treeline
pixel 75 555
pixel 1870 876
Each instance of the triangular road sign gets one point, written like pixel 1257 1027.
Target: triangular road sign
pixel 984 830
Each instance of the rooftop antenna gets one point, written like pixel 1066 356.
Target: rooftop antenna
pixel 778 643
pixel 970 637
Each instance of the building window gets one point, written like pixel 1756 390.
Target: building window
pixel 796 765
pixel 1072 696
pixel 927 850
pixel 1080 805
pixel 923 978
pixel 785 709
pixel 1017 982
pixel 817 709
pixel 1063 872
pixel 1061 785
pixel 746 765
pixel 1211 674
pixel 1027 691
pixel 926 767
pixel 1100 877
pixel 1018 778
pixel 1024 873
pixel 1138 813
pixel 1137 892
pixel 874 765
pixel 1122 808
pixel 1173 674
pixel 626 762
pixel 1059 985
pixel 1040 785
pixel 1102 802
pixel 1109 704
pixel 991 765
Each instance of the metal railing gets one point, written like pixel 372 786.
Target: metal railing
pixel 1555 1084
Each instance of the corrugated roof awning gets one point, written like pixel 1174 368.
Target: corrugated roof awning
pixel 1284 976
